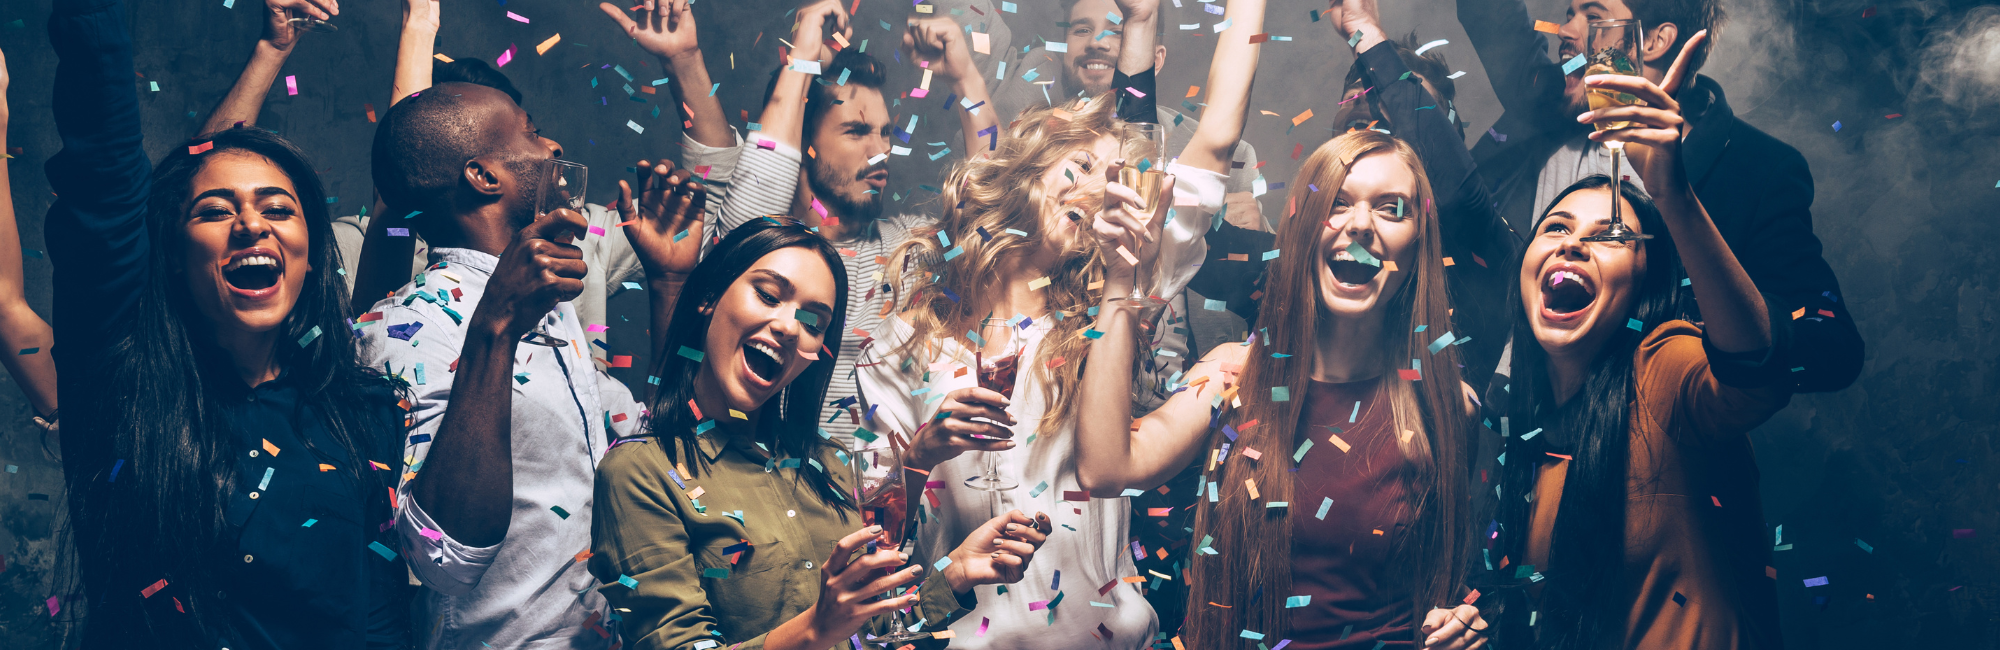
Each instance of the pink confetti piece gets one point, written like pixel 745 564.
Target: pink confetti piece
pixel 517 17
pixel 919 92
pixel 597 328
pixel 291 84
pixel 983 622
pixel 1038 605
pixel 432 535
pixel 595 230
pixel 54 606
pixel 505 57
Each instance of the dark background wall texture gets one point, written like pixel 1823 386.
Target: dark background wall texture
pixel 1887 489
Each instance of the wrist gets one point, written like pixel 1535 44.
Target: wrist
pixel 960 584
pixel 268 49
pixel 1371 36
pixel 684 62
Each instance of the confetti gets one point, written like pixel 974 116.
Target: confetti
pixel 292 85
pixel 543 48
pixel 1546 26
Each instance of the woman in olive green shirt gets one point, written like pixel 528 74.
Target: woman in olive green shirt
pixel 734 529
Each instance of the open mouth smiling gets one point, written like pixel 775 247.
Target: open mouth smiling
pixel 1566 291
pixel 1349 271
pixel 253 270
pixel 763 361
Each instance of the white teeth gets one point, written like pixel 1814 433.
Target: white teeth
pixel 1343 256
pixel 1096 66
pixel 253 260
pixel 1558 277
pixel 767 350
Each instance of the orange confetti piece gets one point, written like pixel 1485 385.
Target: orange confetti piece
pixel 1546 26
pixel 1302 117
pixel 270 448
pixel 1194 90
pixel 544 47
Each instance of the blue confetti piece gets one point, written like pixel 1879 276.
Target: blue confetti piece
pixel 309 336
pixel 1039 489
pixel 942 563
pixel 691 353
pixel 1441 341
pixel 381 550
pixel 1575 63
pixel 1636 324
pixel 114 470
pixel 628 581
pixel 309 523
pixel 1271 255
pixel 1281 394
pixel 1323 507
pixel 1298 601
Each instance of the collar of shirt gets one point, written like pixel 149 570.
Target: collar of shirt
pixel 467 258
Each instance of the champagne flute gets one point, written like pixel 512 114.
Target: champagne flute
pixel 884 498
pixel 560 187
pixel 1614 49
pixel 998 377
pixel 301 21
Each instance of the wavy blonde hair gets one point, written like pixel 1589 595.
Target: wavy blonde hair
pixel 994 194
pixel 1429 416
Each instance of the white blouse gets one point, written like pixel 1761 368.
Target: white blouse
pixel 1089 553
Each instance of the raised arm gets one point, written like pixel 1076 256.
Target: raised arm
pixel 246 99
pixel 666 28
pixel 783 119
pixel 26 338
pixel 1516 56
pixel 1229 76
pixel 940 41
pixel 665 227
pixel 415 49
pixel 1733 313
pixel 1139 52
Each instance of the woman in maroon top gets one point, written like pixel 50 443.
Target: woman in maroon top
pixel 1334 442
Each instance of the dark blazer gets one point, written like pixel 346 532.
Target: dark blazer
pixel 1757 189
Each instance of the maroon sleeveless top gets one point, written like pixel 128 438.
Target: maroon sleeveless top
pixel 1342 559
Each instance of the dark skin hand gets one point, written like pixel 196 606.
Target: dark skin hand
pixel 664 226
pixel 467 484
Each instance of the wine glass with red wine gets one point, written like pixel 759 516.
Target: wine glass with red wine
pixel 884 498
pixel 998 375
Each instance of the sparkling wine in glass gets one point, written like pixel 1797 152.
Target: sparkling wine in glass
pixel 997 376
pixel 561 186
pixel 1144 148
pixel 884 497
pixel 303 22
pixel 1614 49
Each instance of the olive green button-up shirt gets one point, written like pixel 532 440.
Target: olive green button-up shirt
pixel 720 559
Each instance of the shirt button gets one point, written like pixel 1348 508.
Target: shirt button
pixel 809 564
pixel 253 453
pixel 247 559
pixel 791 513
pixel 253 495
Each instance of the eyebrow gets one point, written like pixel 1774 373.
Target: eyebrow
pixel 226 193
pixel 787 284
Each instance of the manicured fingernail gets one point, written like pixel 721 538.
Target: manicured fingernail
pixel 1584 117
pixel 1009 445
pixel 903 556
pixel 872 529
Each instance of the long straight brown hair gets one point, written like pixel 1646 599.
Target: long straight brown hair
pixel 1253 543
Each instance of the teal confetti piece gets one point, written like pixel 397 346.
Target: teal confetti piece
pixel 308 338
pixel 628 581
pixel 803 316
pixel 1129 492
pixel 309 523
pixel 718 573
pixel 1298 601
pixel 1281 394
pixel 1572 65
pixel 1636 324
pixel 1278 504
pixel 521 377
pixel 691 353
pixel 1864 546
pixel 381 550
pixel 560 512
pixel 704 427
pixel 1039 489
pixel 1441 341
pixel 1253 636
pixel 1300 455
pixel 1214 305
pixel 1361 255
pixel 942 563
pixel 1093 334
pixel 1271 255
pixel 954 252
pixel 634 286
pixel 1324 506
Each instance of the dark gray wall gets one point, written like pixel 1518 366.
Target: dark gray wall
pixel 1906 207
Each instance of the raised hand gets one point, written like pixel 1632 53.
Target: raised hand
pixel 1131 224
pixel 998 551
pixel 278 28
pixel 662 27
pixel 537 270
pixel 422 14
pixel 813 27
pixel 850 583
pixel 939 38
pixel 951 433
pixel 1653 143
pixel 664 222
pixel 1350 16
pixel 1137 10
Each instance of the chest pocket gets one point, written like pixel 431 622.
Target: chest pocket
pixel 754 593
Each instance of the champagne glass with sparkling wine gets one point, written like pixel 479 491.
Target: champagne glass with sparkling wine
pixel 1614 49
pixel 884 498
pixel 303 22
pixel 998 377
pixel 560 187
pixel 1144 148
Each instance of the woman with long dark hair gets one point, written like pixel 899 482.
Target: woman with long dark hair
pixel 1629 509
pixel 1337 435
pixel 228 462
pixel 715 526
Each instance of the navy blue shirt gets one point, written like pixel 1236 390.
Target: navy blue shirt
pixel 298 566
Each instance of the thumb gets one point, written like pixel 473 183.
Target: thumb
pixel 1677 75
pixel 553 225
pixel 618 14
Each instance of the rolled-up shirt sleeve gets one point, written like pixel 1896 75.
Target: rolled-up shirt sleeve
pixel 442 563
pixel 1198 195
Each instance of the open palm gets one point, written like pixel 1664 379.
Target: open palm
pixel 664 222
pixel 662 27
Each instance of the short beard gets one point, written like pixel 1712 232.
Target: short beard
pixel 528 191
pixel 863 212
pixel 1072 83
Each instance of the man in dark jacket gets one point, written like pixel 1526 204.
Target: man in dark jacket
pixel 1758 189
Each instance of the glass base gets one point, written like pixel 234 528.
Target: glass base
pixel 1618 236
pixel 990 483
pixel 313 25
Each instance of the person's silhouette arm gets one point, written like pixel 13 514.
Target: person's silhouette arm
pixel 26 338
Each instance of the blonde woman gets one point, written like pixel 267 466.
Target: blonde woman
pixel 1334 442
pixel 1008 278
